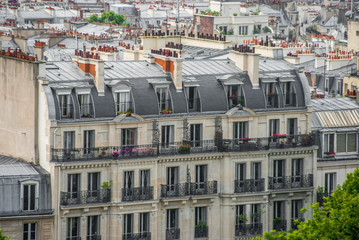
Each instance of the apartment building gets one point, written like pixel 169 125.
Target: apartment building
pixel 170 148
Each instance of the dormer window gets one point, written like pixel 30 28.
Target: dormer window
pixel 193 99
pixel 289 96
pixel 29 195
pixel 270 92
pixel 164 100
pixel 85 105
pixel 66 109
pixel 235 96
pixel 122 97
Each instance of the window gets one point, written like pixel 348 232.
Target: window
pixel 172 219
pixel 256 213
pixel 292 126
pixel 256 170
pixel 128 179
pixel 196 135
pixel 243 30
pixel 69 140
pixel 357 33
pixel 167 137
pixel 29 231
pixel 201 176
pixel 144 223
pixel 193 99
pixel 240 130
pixel 73 228
pixel 158 22
pixel 273 127
pixel 346 142
pixel 93 184
pixel 128 137
pixel 73 187
pixel 240 171
pixel 163 99
pixel 200 215
pixel 329 143
pixel 65 105
pixel 297 167
pixel 296 206
pixel 122 101
pixel 89 141
pixel 172 180
pixel 85 106
pixel 289 94
pixel 279 168
pixel 127 226
pixel 29 202
pixel 271 94
pixel 330 182
pixel 241 214
pixel 93 227
pixel 279 210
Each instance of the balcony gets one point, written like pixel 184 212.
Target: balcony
pixel 137 194
pixel 253 229
pixel 249 185
pixel 93 237
pixel 86 110
pixel 294 226
pixel 173 234
pixel 321 196
pixel 280 225
pixel 178 148
pixel 188 189
pixel 86 197
pixel 201 232
pixel 73 238
pixel 137 236
pixel 301 181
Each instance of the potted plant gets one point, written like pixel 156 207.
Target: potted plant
pixel 169 110
pixel 123 152
pixel 104 149
pixel 119 112
pixel 281 145
pixel 69 115
pixel 106 185
pixel 276 222
pixel 115 155
pixel 201 226
pixel 242 218
pixel 184 149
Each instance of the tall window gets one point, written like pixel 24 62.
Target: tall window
pixel 256 213
pixel 279 210
pixel 330 182
pixel 29 232
pixel 73 186
pixel 201 176
pixel 271 94
pixel 172 219
pixel 89 141
pixel 93 184
pixel 85 106
pixel 256 170
pixel 241 215
pixel 273 127
pixel 69 140
pixel 167 137
pixel 196 135
pixel 240 171
pixel 65 105
pixel 93 227
pixel 243 30
pixel 292 128
pixel 145 178
pixel 297 205
pixel 73 228
pixel 329 142
pixel 123 102
pixel 192 98
pixel 172 180
pixel 128 137
pixel 297 167
pixel 200 215
pixel 240 130
pixel 29 197
pixel 144 223
pixel 127 226
pixel 163 98
pixel 128 179
pixel 346 142
pixel 289 95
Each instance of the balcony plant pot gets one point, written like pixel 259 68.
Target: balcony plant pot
pixel 184 151
pixel 115 155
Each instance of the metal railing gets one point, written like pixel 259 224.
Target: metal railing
pixel 201 232
pixel 185 147
pixel 137 236
pixel 280 225
pixel 173 234
pixel 249 185
pixel 137 194
pixel 85 197
pixel 300 181
pixel 86 110
pixel 73 238
pixel 188 189
pixel 251 229
pixel 94 237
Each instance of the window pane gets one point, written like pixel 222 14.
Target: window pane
pixel 340 142
pixel 352 142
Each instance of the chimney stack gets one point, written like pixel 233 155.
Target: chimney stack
pixel 245 58
pixel 39 49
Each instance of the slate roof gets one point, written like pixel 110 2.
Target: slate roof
pixel 10 166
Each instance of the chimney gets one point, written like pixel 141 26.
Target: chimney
pixel 170 63
pixel 90 63
pixel 39 49
pixel 245 58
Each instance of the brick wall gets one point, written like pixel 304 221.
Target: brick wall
pixel 205 24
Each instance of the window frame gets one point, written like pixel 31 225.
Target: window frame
pixel 29 231
pixel 29 182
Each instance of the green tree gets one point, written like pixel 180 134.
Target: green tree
pixel 3 237
pixel 337 219
pixel 93 18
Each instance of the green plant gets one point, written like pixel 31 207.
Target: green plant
pixel 235 14
pixel 3 237
pixel 183 147
pixel 242 218
pixel 320 190
pixel 209 12
pixel 277 219
pixel 106 185
pixel 255 31
pixel 230 32
pixel 266 29
pixel 104 148
pixel 201 225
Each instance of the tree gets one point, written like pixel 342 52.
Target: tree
pixel 337 219
pixel 3 237
pixel 108 17
pixel 93 18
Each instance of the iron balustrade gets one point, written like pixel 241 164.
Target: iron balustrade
pixel 188 189
pixel 249 185
pixel 173 234
pixel 185 147
pixel 73 238
pixel 137 236
pixel 287 182
pixel 321 196
pixel 280 225
pixel 201 232
pixel 85 197
pixel 94 237
pixel 251 229
pixel 294 225
pixel 137 194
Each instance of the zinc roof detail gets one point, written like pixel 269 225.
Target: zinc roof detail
pixel 10 166
pixel 348 118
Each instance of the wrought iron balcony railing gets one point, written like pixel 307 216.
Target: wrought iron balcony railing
pixel 252 229
pixel 94 237
pixel 321 196
pixel 280 225
pixel 294 226
pixel 173 234
pixel 85 197
pixel 137 236
pixel 249 185
pixel 201 232
pixel 137 194
pixel 300 181
pixel 73 238
pixel 187 189
pixel 185 147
